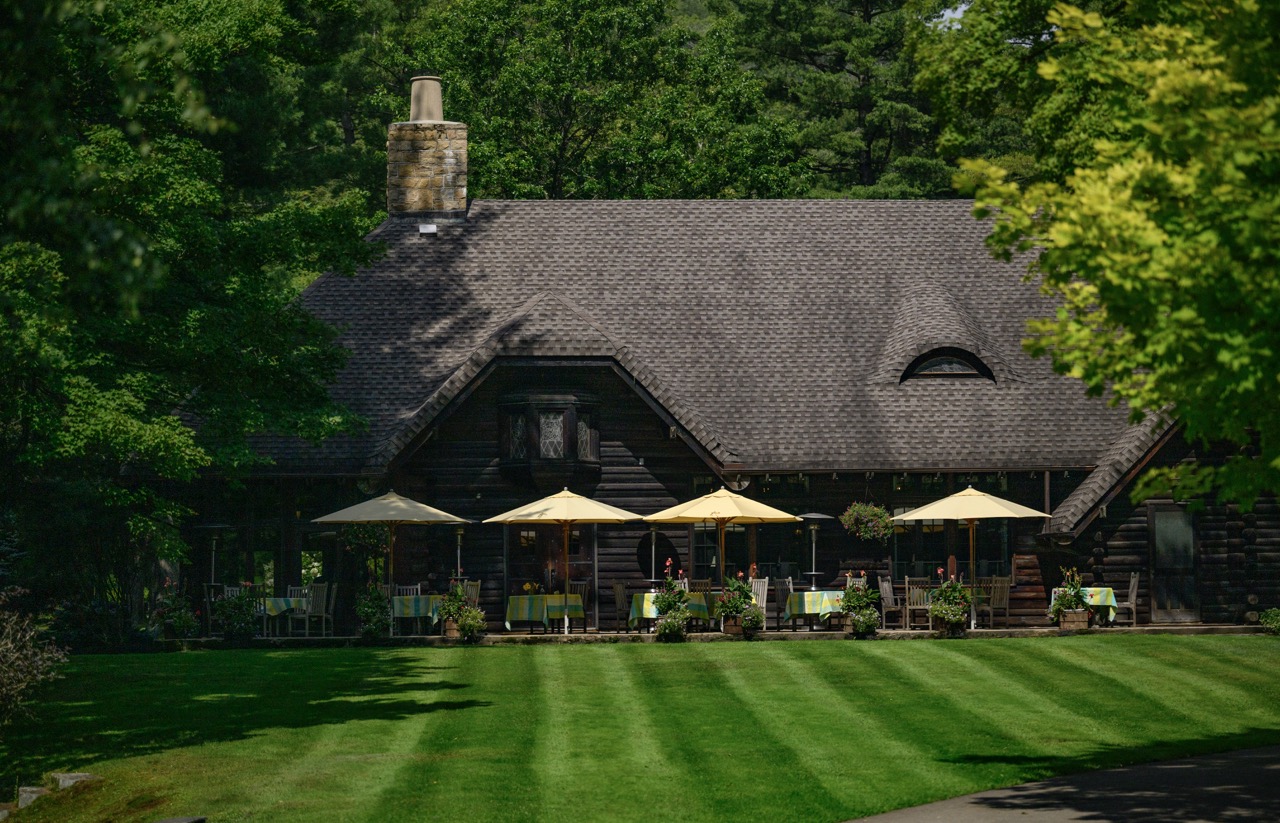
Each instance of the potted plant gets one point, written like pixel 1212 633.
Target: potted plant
pixel 1069 607
pixel 735 600
pixel 867 521
pixel 752 621
pixel 374 613
pixel 238 615
pixel 671 624
pixel 171 615
pixel 451 609
pixel 949 607
pixel 669 603
pixel 858 607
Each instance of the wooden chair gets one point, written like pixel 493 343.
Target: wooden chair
pixel 580 588
pixel 621 606
pixel 317 609
pixel 702 586
pixel 682 583
pixel 408 591
pixel 471 589
pixel 1130 604
pixel 996 591
pixel 889 605
pixel 917 603
pixel 781 590
pixel 760 592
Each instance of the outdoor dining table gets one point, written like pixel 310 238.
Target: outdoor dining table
pixel 416 606
pixel 1097 598
pixel 821 603
pixel 277 606
pixel 542 608
pixel 699 604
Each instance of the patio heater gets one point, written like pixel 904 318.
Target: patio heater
pixel 457 569
pixel 814 519
pixel 653 557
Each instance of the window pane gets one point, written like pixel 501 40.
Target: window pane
pixel 584 439
pixel 551 434
pixel 519 437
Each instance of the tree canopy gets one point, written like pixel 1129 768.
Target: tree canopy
pixel 1154 214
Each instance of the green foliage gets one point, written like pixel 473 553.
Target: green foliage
pixel 453 603
pixel 752 620
pixel 859 602
pixel 1270 620
pixel 840 71
pixel 867 521
pixel 471 623
pixel 1070 595
pixel 1155 221
pixel 374 612
pixel 238 614
pixel 670 596
pixel 172 607
pixel 671 626
pixel 950 602
pixel 736 597
pixel 26 659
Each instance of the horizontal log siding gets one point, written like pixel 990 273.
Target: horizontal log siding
pixel 1238 558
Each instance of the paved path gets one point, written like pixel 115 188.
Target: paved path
pixel 1222 788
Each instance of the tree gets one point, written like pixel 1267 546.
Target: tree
pixel 592 98
pixel 149 327
pixel 840 71
pixel 1157 220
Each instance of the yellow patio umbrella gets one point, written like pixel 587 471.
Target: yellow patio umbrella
pixel 970 505
pixel 721 507
pixel 393 510
pixel 565 509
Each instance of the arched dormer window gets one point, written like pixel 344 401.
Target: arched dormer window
pixel 947 364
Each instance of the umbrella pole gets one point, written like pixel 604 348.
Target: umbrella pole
pixel 566 578
pixel 720 529
pixel 391 555
pixel 973 580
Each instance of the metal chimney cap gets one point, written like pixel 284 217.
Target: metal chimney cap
pixel 425 105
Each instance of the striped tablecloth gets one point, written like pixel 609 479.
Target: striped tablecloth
pixel 277 606
pixel 422 605
pixel 542 608
pixel 642 607
pixel 821 603
pixel 1098 598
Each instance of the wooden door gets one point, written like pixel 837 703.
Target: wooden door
pixel 1175 595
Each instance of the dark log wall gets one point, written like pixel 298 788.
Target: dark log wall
pixel 1237 560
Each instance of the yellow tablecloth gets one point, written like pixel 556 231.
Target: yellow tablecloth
pixel 1099 598
pixel 821 603
pixel 277 606
pixel 422 605
pixel 542 608
pixel 698 604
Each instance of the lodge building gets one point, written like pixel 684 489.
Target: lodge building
pixel 808 353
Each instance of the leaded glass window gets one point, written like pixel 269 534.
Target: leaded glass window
pixel 551 434
pixel 519 436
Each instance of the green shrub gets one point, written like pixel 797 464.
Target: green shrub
pixel 737 597
pixel 752 620
pixel 859 602
pixel 867 521
pixel 172 608
pixel 1071 595
pixel 1270 620
pixel 672 625
pixel 238 615
pixel 26 660
pixel 471 623
pixel 950 603
pixel 374 613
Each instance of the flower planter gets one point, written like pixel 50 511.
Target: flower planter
pixel 1073 620
pixel 732 624
pixel 451 631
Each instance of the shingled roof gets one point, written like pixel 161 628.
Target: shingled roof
pixel 775 332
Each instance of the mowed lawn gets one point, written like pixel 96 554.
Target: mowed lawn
pixel 816 731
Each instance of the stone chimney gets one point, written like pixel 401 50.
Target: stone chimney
pixel 427 159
